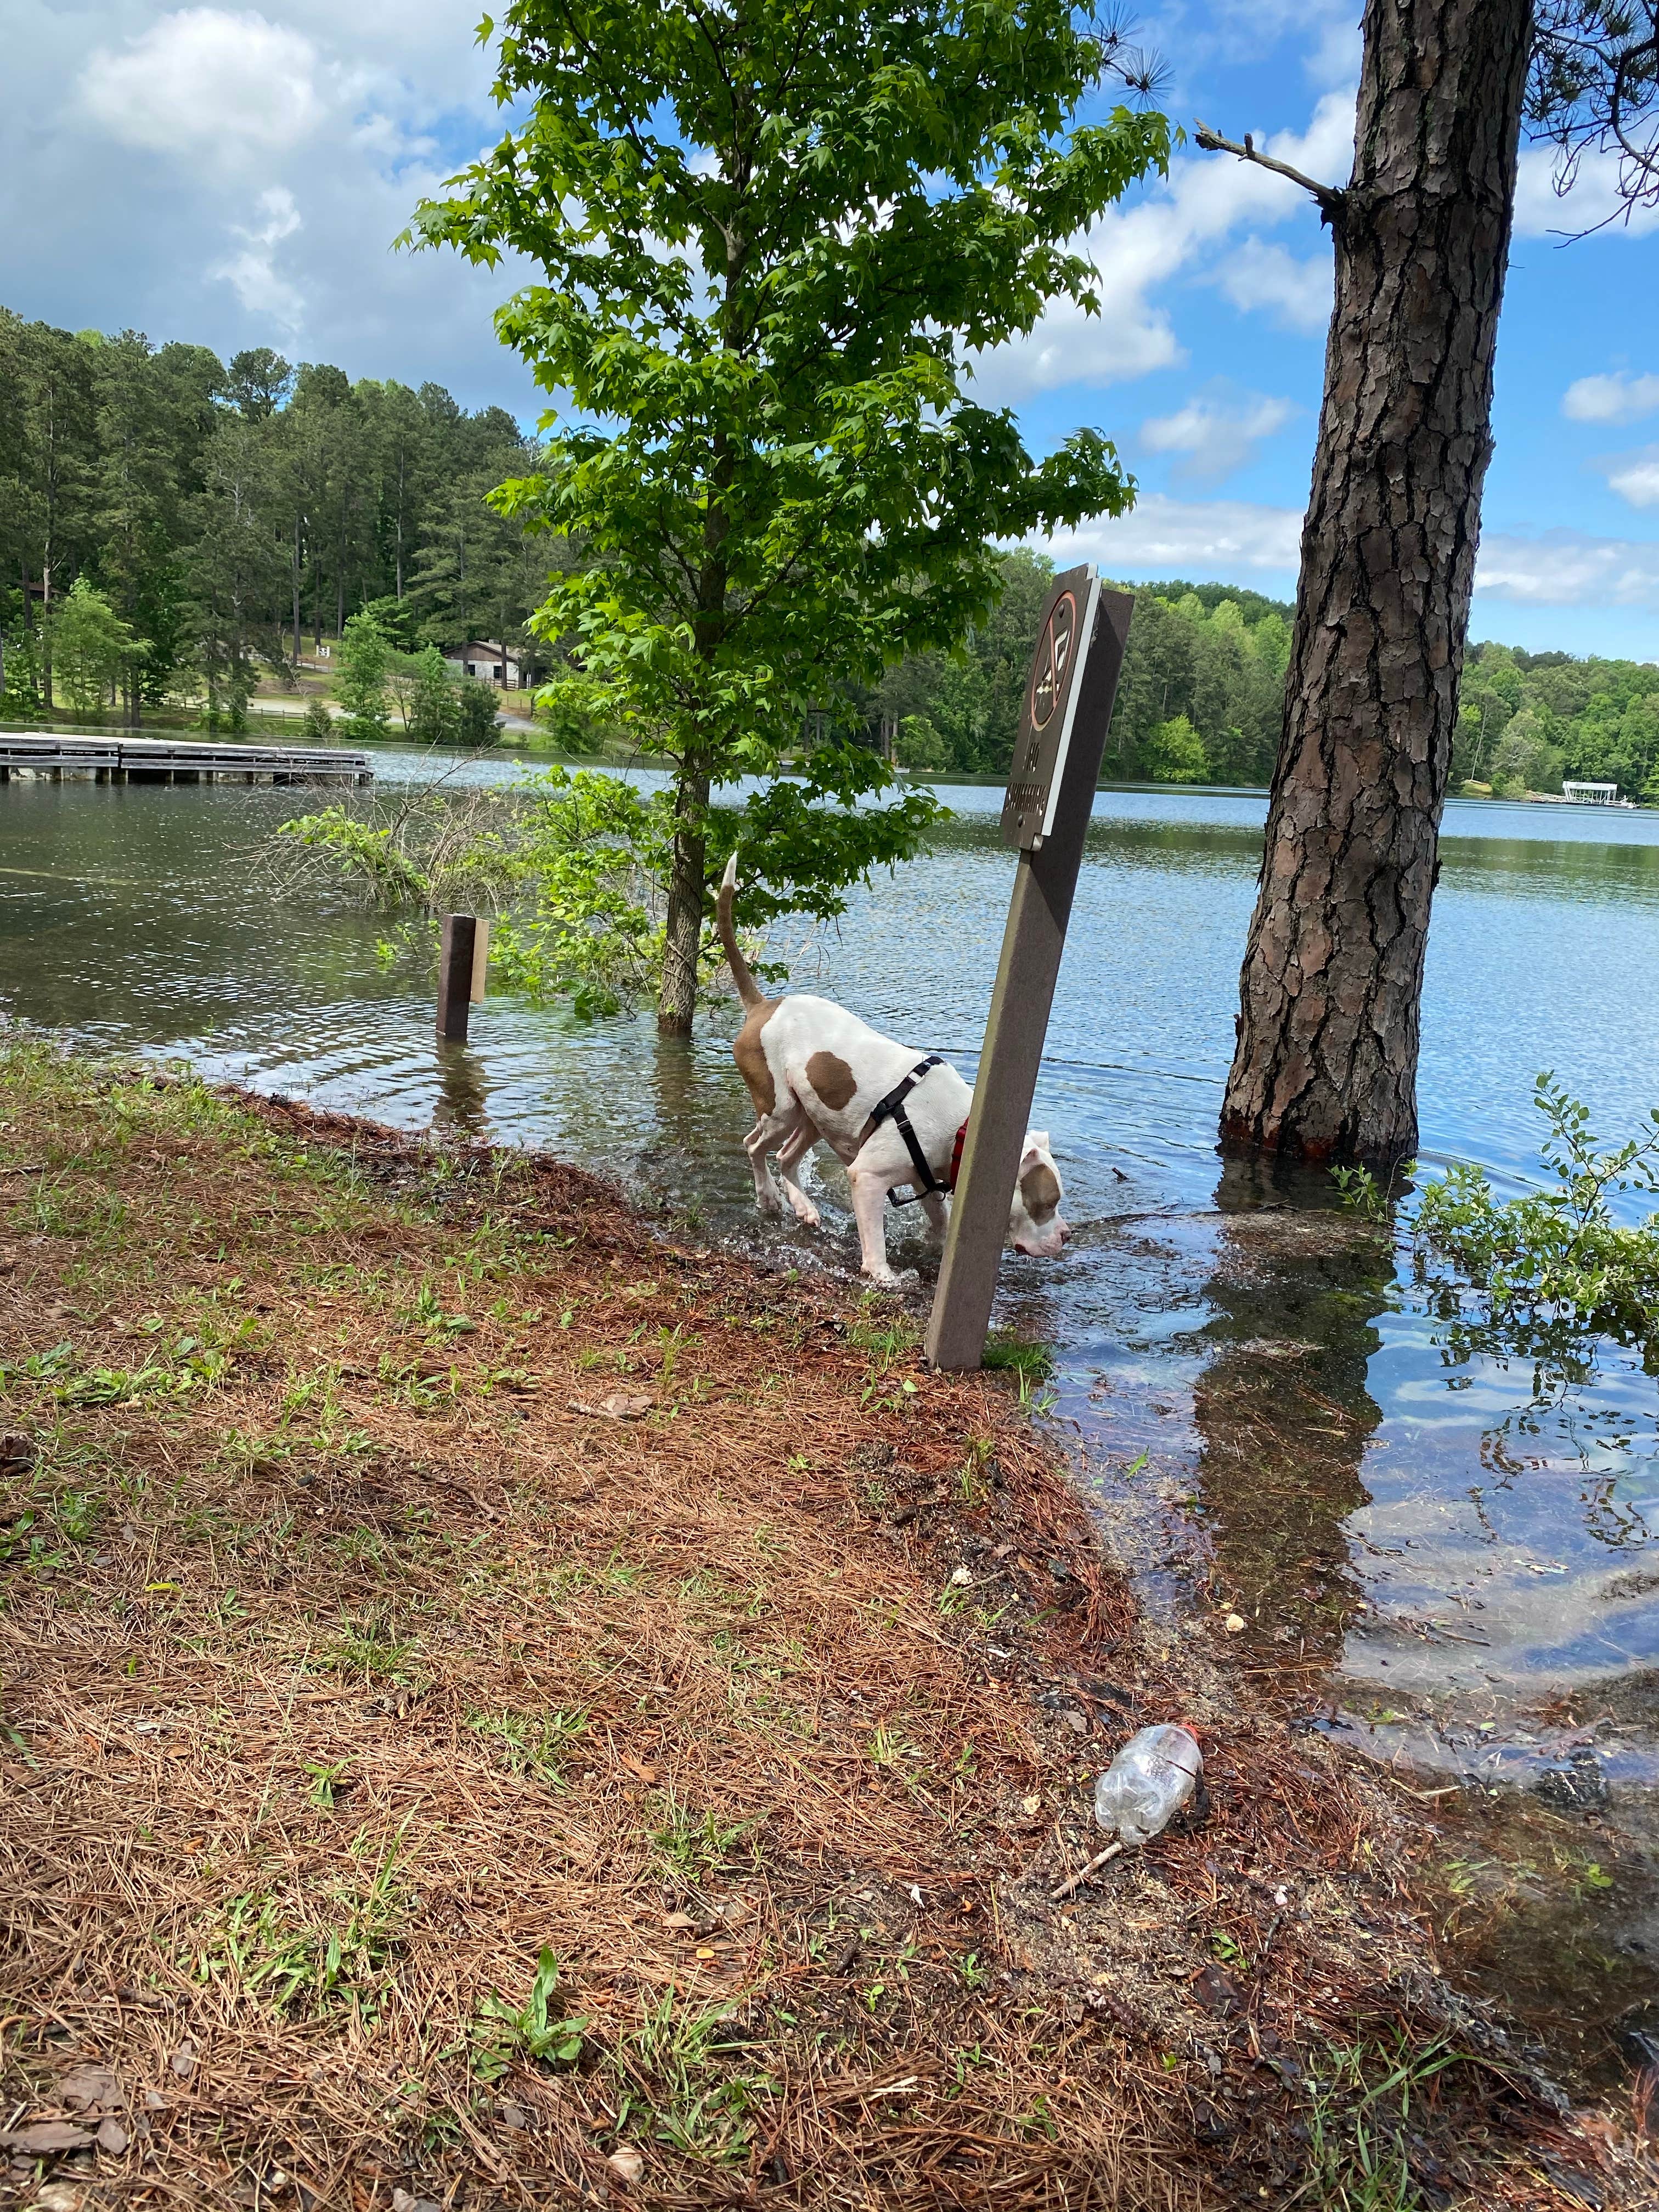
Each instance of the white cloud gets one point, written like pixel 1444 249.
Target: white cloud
pixel 1134 250
pixel 1297 292
pixel 1621 398
pixel 1334 59
pixel 203 81
pixel 157 162
pixel 1635 477
pixel 1207 37
pixel 1196 538
pixel 1566 568
pixel 1214 438
pixel 253 271
pixel 1129 336
pixel 1223 538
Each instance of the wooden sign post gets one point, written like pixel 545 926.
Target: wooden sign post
pixel 463 958
pixel 1057 755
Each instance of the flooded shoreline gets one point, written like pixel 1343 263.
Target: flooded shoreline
pixel 1437 1547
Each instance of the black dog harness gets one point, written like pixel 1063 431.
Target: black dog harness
pixel 924 1182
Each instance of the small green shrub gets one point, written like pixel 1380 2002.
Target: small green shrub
pixel 1557 1253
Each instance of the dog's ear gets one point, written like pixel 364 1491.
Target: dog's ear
pixel 1036 1147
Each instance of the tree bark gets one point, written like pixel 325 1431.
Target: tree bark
pixel 1326 1063
pixel 677 997
pixel 299 647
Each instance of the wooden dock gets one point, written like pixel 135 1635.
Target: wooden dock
pixel 166 760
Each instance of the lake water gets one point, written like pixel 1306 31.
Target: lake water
pixel 1258 1385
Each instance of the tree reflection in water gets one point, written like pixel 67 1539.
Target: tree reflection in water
pixel 1282 1410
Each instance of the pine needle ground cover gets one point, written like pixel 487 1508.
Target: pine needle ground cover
pixel 501 1708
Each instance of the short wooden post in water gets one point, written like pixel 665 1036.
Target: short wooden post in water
pixel 463 956
pixel 1062 735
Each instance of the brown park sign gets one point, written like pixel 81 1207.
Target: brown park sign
pixel 1048 715
pixel 1062 735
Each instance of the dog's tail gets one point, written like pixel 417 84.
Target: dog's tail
pixel 747 989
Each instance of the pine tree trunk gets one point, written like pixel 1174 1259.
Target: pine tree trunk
pixel 677 997
pixel 1325 1062
pixel 48 688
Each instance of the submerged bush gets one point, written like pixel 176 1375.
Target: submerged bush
pixel 429 855
pixel 1558 1254
pixel 573 864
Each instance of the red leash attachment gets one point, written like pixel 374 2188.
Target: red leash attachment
pixel 956 1156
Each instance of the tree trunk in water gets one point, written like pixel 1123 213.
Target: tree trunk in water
pixel 677 998
pixel 1325 1062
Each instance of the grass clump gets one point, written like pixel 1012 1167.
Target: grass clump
pixel 536 1745
pixel 692 1846
pixel 679 2083
pixel 311 1955
pixel 537 2032
pixel 1360 2119
pixel 1007 1352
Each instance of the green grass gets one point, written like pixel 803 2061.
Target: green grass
pixel 368 1650
pixel 693 1844
pixel 1359 2121
pixel 1006 1352
pixel 340 1955
pixel 677 2080
pixel 880 1328
pixel 537 2032
pixel 537 1745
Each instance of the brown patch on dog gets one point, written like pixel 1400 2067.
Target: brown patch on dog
pixel 750 1054
pixel 1040 1189
pixel 832 1080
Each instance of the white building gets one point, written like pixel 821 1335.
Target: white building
pixel 491 663
pixel 1591 794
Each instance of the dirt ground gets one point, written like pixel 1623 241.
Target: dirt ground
pixel 501 1708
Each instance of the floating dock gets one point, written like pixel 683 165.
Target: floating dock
pixel 166 760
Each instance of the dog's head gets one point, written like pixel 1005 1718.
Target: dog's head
pixel 1034 1223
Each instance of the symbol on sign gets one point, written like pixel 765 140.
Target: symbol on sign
pixel 1053 657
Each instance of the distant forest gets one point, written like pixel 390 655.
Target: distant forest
pixel 226 514
pixel 220 516
pixel 1198 700
pixel 1200 697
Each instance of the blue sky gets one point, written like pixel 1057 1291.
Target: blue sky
pixel 236 176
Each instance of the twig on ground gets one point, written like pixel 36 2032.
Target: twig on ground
pixel 1084 1873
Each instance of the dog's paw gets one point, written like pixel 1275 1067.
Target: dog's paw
pixel 766 1203
pixel 808 1215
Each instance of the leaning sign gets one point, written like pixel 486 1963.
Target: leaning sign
pixel 1049 712
pixel 1063 724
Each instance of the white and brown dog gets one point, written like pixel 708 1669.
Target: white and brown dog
pixel 815 1070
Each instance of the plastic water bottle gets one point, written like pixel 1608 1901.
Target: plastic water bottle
pixel 1147 1784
